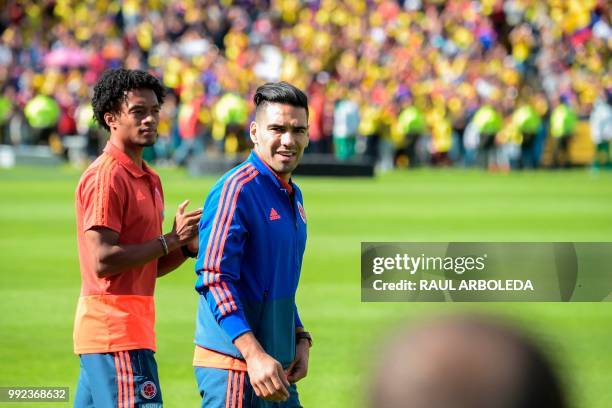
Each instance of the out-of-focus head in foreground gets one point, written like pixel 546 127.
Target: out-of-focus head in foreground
pixel 464 362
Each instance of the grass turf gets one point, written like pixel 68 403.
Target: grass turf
pixel 39 279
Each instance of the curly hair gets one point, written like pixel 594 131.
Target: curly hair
pixel 111 90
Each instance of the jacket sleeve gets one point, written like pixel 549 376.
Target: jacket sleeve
pixel 222 234
pixel 298 321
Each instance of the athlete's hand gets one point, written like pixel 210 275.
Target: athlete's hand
pixel 185 227
pixel 194 245
pixel 299 367
pixel 267 377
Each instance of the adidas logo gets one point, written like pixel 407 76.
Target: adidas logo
pixel 140 196
pixel 274 215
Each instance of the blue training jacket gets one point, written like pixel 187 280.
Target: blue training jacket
pixel 252 240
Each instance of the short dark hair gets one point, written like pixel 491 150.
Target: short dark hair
pixel 280 92
pixel 111 90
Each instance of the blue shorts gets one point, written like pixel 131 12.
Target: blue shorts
pixel 232 389
pixel 123 379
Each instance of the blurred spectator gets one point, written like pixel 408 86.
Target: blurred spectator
pixel 411 126
pixel 562 126
pixel 86 127
pixel 43 114
pixel 230 115
pixel 6 112
pixel 450 58
pixel 168 130
pixel 370 130
pixel 190 131
pixel 487 123
pixel 346 127
pixel 601 130
pixel 528 123
pixel 318 137
pixel 464 362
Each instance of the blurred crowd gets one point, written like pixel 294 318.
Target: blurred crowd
pixel 401 83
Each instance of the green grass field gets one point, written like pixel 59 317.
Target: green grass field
pixel 39 279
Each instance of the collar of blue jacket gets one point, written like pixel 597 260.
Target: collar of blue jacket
pixel 264 169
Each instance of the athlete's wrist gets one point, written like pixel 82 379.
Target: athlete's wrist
pixel 249 346
pixel 303 337
pixel 172 241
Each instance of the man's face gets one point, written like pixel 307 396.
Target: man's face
pixel 136 123
pixel 280 135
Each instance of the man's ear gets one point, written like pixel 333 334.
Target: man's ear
pixel 110 119
pixel 253 132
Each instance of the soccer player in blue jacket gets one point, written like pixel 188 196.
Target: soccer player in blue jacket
pixel 251 347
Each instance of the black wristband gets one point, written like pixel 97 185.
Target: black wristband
pixel 303 335
pixel 187 253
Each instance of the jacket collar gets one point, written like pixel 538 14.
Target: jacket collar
pixel 265 169
pixel 126 162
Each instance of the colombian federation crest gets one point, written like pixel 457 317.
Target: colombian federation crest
pixel 302 212
pixel 148 390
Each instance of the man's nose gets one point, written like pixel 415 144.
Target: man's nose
pixel 288 138
pixel 151 117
